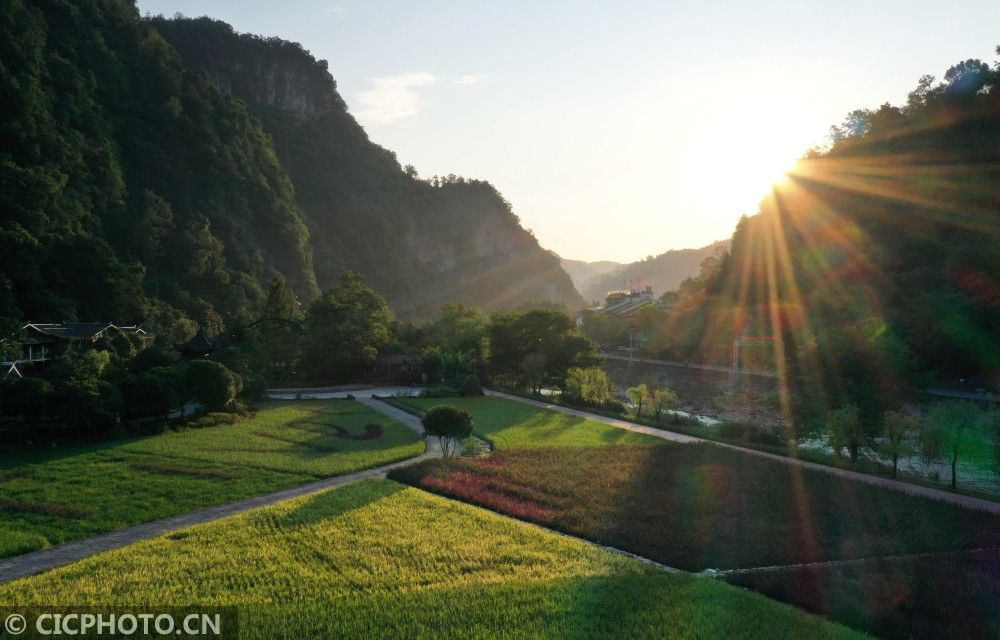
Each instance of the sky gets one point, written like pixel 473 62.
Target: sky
pixel 618 129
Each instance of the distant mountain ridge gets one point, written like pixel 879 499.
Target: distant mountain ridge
pixel 663 272
pixel 581 271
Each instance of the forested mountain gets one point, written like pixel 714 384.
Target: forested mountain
pixel 663 272
pixel 130 188
pixel 418 243
pixel 136 187
pixel 878 263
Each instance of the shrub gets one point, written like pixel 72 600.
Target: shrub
pixel 440 391
pixel 468 386
pixel 615 406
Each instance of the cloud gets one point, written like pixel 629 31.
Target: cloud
pixel 336 11
pixel 392 98
pixel 469 78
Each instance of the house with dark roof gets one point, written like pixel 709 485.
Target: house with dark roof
pixel 41 341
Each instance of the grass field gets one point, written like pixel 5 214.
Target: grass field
pixel 946 596
pixel 378 559
pixel 698 506
pixel 511 425
pixel 73 493
pixel 701 506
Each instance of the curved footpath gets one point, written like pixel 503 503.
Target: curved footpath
pixel 958 499
pixel 45 559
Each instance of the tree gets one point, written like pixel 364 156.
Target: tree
pixel 460 328
pixel 148 394
pixel 846 431
pixel 589 385
pixel 946 431
pixel 449 425
pixel 279 327
pixel 638 395
pixel 661 400
pixel 27 399
pixel 212 384
pixel 533 369
pixel 541 344
pixel 897 429
pixel 345 329
pixel 88 406
pixel 991 427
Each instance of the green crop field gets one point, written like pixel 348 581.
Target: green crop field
pixel 78 492
pixel 942 596
pixel 698 506
pixel 508 424
pixel 379 559
pixel 703 506
pixel 294 437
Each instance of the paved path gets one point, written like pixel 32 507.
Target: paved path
pixel 968 502
pixel 45 559
pixel 985 554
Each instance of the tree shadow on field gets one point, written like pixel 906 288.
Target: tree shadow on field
pixel 953 595
pixel 630 606
pixel 546 425
pixel 336 502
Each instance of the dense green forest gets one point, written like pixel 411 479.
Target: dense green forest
pixel 876 264
pixel 131 188
pixel 420 243
pixel 136 188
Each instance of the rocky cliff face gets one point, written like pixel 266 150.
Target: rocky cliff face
pixel 292 90
pixel 419 244
pixel 263 72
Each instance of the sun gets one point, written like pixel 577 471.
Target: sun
pixel 740 157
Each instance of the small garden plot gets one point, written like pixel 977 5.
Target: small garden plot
pixel 77 492
pixel 377 559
